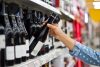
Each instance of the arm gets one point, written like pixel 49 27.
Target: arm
pixel 78 50
pixel 59 34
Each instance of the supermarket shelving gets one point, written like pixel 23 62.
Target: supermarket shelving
pixel 40 60
pixel 67 15
pixel 45 8
pixel 42 6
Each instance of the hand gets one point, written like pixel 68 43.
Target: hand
pixel 55 31
pixel 59 34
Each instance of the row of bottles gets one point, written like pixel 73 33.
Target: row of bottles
pixel 23 33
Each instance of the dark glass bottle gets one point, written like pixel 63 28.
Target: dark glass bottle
pixel 27 19
pixel 12 10
pixel 2 40
pixel 9 43
pixel 26 33
pixel 2 46
pixel 22 36
pixel 17 39
pixel 9 37
pixel 37 43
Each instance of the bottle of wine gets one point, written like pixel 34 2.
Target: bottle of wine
pixel 17 39
pixel 2 40
pixel 17 33
pixel 27 19
pixel 9 37
pixel 26 34
pixel 33 48
pixel 9 43
pixel 22 35
pixel 2 45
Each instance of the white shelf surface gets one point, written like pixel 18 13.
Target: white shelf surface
pixel 67 14
pixel 42 6
pixel 47 6
pixel 40 60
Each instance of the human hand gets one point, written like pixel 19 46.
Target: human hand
pixel 55 31
pixel 60 35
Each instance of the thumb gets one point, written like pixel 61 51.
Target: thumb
pixel 50 26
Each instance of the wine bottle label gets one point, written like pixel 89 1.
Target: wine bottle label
pixel 18 51
pixel 2 41
pixel 37 48
pixel 27 47
pixel 32 38
pixel 23 50
pixel 10 53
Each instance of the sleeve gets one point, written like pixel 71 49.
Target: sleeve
pixel 86 54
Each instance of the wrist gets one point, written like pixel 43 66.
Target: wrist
pixel 62 36
pixel 69 42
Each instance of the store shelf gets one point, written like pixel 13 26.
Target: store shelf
pixel 36 5
pixel 67 15
pixel 46 6
pixel 42 6
pixel 39 61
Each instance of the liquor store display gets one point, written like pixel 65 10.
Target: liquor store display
pixel 24 38
pixel 41 60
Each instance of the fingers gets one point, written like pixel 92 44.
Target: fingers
pixel 51 26
pixel 51 32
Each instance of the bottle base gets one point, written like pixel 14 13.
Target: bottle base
pixel 23 59
pixel 17 60
pixel 9 63
pixel 31 57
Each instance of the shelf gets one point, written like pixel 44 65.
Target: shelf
pixel 67 15
pixel 41 60
pixel 42 6
pixel 46 6
pixel 36 5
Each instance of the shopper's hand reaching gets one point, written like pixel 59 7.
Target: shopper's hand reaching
pixel 59 34
pixel 55 31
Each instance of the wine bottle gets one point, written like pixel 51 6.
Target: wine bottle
pixel 56 20
pixel 34 49
pixel 27 19
pixel 2 46
pixel 9 43
pixel 26 34
pixel 2 40
pixel 17 39
pixel 9 37
pixel 22 36
pixel 17 33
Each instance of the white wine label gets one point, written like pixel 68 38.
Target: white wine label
pixel 27 47
pixel 18 51
pixel 23 50
pixel 32 38
pixel 37 48
pixel 10 53
pixel 2 41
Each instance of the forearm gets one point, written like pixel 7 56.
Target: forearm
pixel 67 41
pixel 86 54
